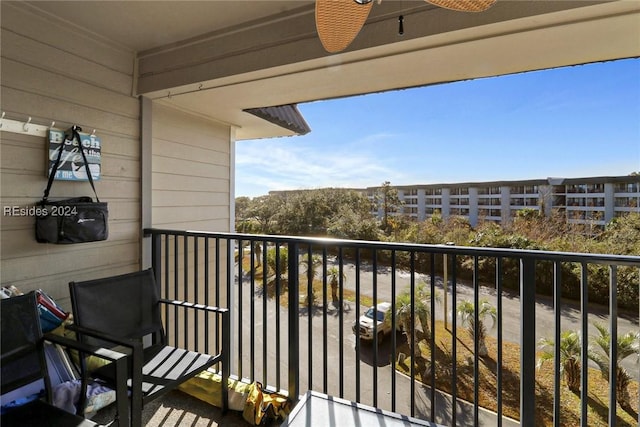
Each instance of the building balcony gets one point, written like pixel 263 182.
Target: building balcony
pixel 292 327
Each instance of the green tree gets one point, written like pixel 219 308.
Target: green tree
pixel 570 344
pixel 627 345
pixel 466 312
pixel 387 198
pixel 348 223
pixel 265 210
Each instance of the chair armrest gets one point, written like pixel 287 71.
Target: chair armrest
pixel 194 306
pixel 126 342
pixel 102 352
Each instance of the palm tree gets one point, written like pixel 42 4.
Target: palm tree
pixel 570 344
pixel 627 345
pixel 334 278
pixel 466 312
pixel 311 265
pixel 422 310
pixel 280 265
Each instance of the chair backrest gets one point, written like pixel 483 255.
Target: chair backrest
pixel 22 354
pixel 124 306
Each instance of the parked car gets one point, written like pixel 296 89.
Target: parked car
pixel 366 321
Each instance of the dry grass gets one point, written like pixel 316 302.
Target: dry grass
pixel 487 391
pixel 348 294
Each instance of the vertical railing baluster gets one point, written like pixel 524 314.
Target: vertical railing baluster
pixel 584 351
pixel 196 289
pixel 156 258
pixel 528 342
pixel 432 339
pixel 394 343
pixel 206 294
pixel 230 281
pixel 557 331
pixel 325 331
pixel 476 341
pixel 252 313
pixel 166 277
pixel 185 285
pixel 277 306
pixel 413 331
pixel 240 288
pixel 454 339
pixel 265 336
pixel 217 281
pixel 376 342
pixel 310 308
pixel 294 324
pixel 358 328
pixel 176 271
pixel 499 321
pixel 613 347
pixel 341 320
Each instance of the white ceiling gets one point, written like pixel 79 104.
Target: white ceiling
pixel 449 47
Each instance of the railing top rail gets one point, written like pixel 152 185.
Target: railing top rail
pixel 627 260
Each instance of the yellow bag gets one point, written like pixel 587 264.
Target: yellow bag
pixel 262 406
pixel 207 386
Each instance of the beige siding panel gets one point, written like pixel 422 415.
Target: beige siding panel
pixel 25 158
pixel 53 73
pixel 119 167
pixel 189 152
pixel 165 181
pixel 33 26
pixel 191 168
pixel 58 61
pixel 179 198
pixel 44 109
pixel 36 80
pixel 194 213
pixel 122 145
pixel 21 244
pixel 177 126
pixel 56 260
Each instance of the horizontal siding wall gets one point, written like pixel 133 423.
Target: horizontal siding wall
pixel 191 170
pixel 53 72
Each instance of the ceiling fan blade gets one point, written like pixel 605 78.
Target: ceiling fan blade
pixel 339 21
pixel 464 5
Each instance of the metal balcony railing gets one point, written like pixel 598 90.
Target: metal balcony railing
pixel 292 337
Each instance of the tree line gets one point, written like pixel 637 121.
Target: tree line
pixel 346 214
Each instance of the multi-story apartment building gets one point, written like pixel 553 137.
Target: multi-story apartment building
pixel 594 200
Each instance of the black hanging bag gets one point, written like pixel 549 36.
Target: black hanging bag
pixel 75 220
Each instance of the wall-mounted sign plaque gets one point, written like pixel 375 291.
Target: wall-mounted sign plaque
pixel 71 164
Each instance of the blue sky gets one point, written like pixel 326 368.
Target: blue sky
pixel 572 122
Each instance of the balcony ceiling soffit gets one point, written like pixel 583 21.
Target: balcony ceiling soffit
pixel 267 53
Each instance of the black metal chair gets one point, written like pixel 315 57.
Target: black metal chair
pixel 122 311
pixel 23 362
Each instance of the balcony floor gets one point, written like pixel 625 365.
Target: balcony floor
pixel 179 409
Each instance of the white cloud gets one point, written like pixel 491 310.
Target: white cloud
pixel 287 164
